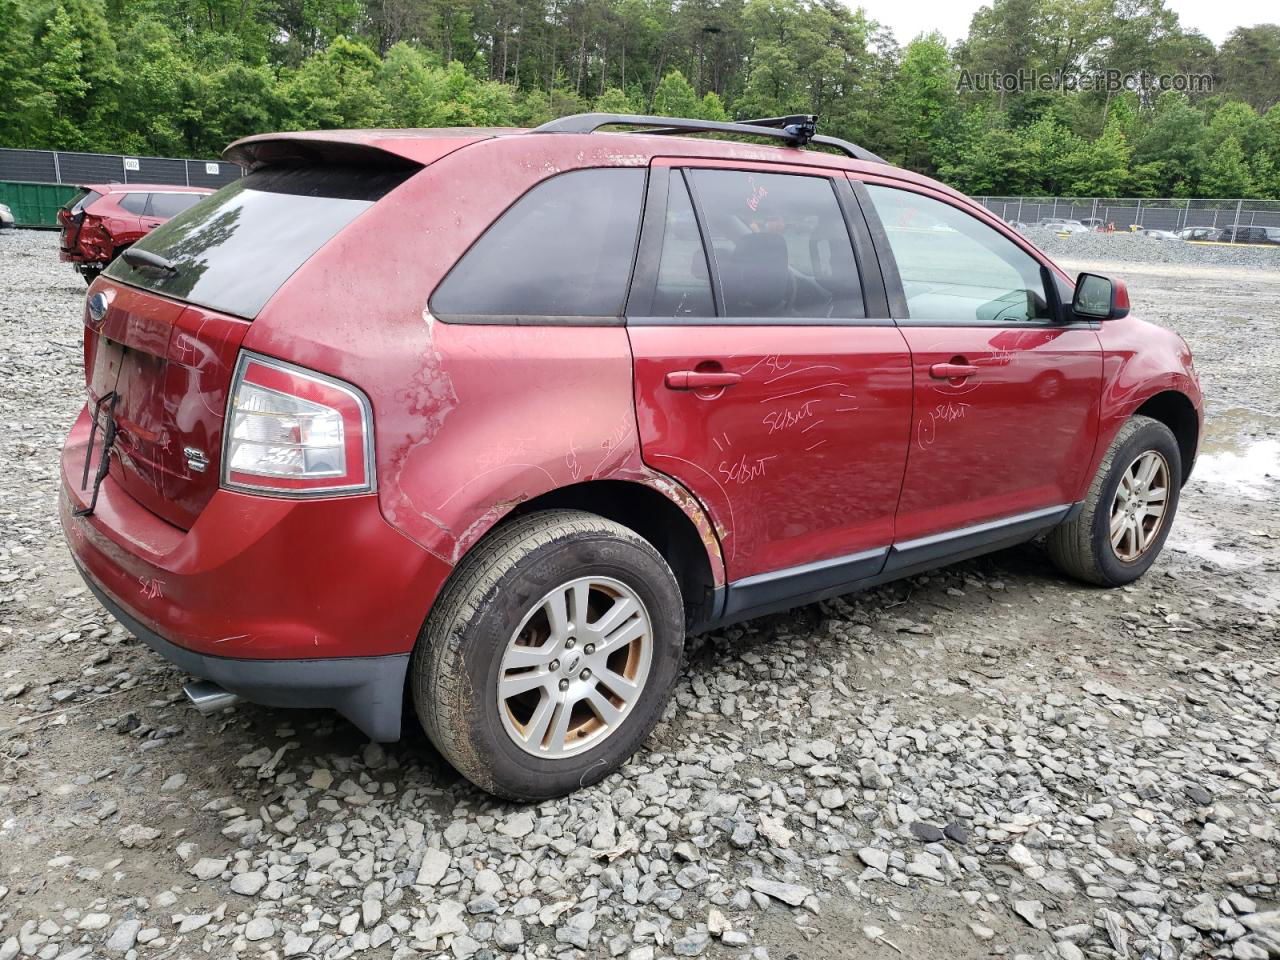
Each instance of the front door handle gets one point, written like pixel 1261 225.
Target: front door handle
pixel 699 379
pixel 952 371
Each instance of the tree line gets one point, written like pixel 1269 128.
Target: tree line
pixel 186 77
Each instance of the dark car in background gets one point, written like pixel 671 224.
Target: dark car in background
pixel 103 220
pixel 1249 235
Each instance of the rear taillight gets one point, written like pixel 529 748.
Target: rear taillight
pixel 294 432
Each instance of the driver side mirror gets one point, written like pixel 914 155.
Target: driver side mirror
pixel 1100 298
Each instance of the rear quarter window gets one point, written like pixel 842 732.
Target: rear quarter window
pixel 564 249
pixel 233 252
pixel 134 202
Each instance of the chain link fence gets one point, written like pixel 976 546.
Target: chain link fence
pixel 62 166
pixel 1227 218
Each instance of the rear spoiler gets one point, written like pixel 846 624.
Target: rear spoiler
pixel 374 148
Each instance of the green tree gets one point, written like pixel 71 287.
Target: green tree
pixel 335 88
pixel 924 100
pixel 52 111
pixel 1249 65
pixel 1227 174
pixel 674 97
pixel 615 100
pixel 18 84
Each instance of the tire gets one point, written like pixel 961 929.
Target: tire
pixel 91 275
pixel 1082 548
pixel 497 593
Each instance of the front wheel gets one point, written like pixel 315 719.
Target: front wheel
pixel 550 654
pixel 1129 509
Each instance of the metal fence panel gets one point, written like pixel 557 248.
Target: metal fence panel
pixel 89 168
pixel 211 173
pixel 61 166
pixel 1129 213
pixel 33 166
pixel 156 170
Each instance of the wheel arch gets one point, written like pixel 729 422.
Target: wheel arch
pixel 1176 411
pixel 680 532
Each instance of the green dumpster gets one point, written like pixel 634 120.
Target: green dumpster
pixel 35 204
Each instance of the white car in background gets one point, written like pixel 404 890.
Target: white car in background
pixel 1063 226
pixel 1161 234
pixel 6 217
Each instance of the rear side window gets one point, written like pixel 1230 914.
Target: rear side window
pixel 168 205
pixel 781 245
pixel 684 283
pixel 135 202
pixel 234 251
pixel 564 249
pixel 955 268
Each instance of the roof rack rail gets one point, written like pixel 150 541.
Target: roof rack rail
pixel 796 130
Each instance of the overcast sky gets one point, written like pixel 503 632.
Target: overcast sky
pixel 907 19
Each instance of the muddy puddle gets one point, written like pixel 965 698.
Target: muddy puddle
pixel 1239 460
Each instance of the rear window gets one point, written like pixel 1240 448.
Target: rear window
pixel 80 201
pixel 235 250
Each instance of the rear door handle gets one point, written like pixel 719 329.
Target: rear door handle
pixel 952 371
pixel 698 379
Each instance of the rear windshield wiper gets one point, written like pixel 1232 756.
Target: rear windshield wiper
pixel 144 258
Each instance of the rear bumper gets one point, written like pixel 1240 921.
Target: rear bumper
pixel 368 691
pixel 284 602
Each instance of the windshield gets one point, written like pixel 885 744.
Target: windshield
pixel 233 250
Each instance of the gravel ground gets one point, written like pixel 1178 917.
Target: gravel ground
pixel 985 761
pixel 1139 248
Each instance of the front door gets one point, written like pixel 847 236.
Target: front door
pixel 768 377
pixel 1006 393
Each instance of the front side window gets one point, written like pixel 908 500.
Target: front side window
pixel 564 249
pixel 781 245
pixel 955 268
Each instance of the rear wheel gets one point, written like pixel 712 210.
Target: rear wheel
pixel 90 274
pixel 550 654
pixel 1128 511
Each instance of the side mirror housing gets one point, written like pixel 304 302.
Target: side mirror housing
pixel 1100 298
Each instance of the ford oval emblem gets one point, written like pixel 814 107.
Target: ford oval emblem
pixel 98 307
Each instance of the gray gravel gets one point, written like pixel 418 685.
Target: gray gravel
pixel 985 761
pixel 1123 247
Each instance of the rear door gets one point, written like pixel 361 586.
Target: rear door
pixel 1006 392
pixel 769 379
pixel 131 217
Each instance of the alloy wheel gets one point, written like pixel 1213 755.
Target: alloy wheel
pixel 575 667
pixel 1138 509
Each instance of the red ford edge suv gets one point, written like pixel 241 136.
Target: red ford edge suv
pixel 105 219
pixel 496 417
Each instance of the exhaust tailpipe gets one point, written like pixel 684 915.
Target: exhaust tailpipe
pixel 208 697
